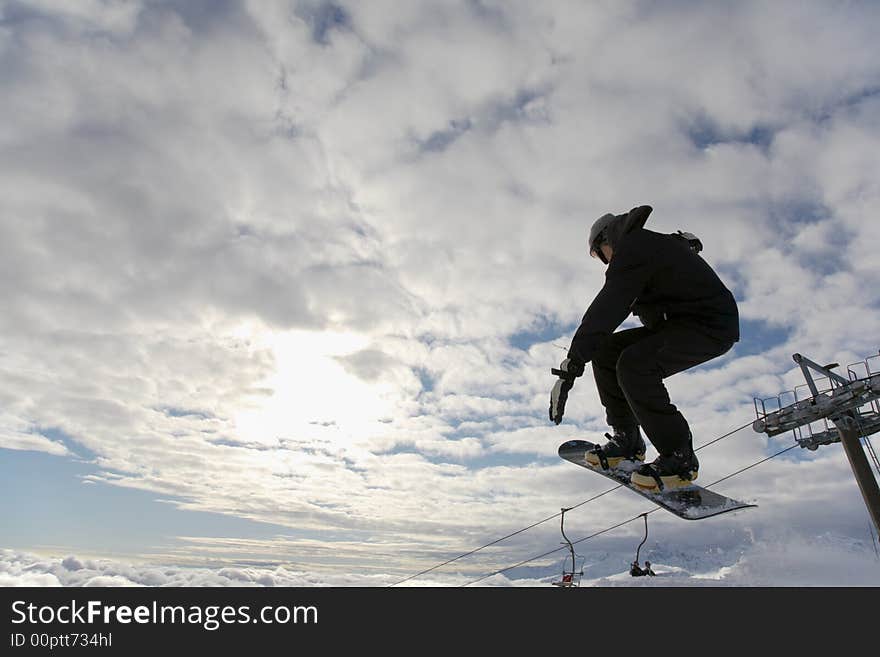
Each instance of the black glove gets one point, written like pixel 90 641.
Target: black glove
pixel 568 371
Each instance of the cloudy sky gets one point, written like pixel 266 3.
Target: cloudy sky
pixel 282 282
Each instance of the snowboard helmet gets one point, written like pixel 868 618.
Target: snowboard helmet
pixel 610 229
pixel 598 235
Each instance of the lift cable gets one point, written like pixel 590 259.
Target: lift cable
pixel 547 519
pixel 608 529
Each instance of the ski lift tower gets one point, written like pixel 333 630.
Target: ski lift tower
pixel 832 409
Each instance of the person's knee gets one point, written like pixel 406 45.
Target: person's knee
pixel 631 366
pixel 607 354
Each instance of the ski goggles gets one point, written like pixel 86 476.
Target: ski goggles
pixel 596 248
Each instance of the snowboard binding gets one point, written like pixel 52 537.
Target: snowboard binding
pixel 622 446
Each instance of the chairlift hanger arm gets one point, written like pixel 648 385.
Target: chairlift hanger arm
pixel 807 364
pixel 568 577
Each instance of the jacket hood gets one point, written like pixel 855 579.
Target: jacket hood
pixel 626 223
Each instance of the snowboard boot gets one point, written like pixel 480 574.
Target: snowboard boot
pixel 668 471
pixel 623 445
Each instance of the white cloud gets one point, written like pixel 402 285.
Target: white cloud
pixel 17 434
pixel 29 579
pixel 183 195
pixel 780 558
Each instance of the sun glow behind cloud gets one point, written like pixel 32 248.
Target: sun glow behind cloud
pixel 310 394
pixel 419 179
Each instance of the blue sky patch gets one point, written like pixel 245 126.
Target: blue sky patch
pixel 425 379
pixel 543 330
pixel 44 502
pixel 705 133
pixel 323 19
pixel 757 336
pixel 442 139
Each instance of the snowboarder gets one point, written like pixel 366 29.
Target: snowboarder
pixel 688 317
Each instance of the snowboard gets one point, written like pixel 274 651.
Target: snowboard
pixel 691 502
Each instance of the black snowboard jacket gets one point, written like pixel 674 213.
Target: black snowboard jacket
pixel 657 277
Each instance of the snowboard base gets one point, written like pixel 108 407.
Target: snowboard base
pixel 691 502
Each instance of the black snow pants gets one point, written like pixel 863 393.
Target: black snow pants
pixel 629 369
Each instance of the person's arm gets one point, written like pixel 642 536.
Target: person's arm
pixel 625 279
